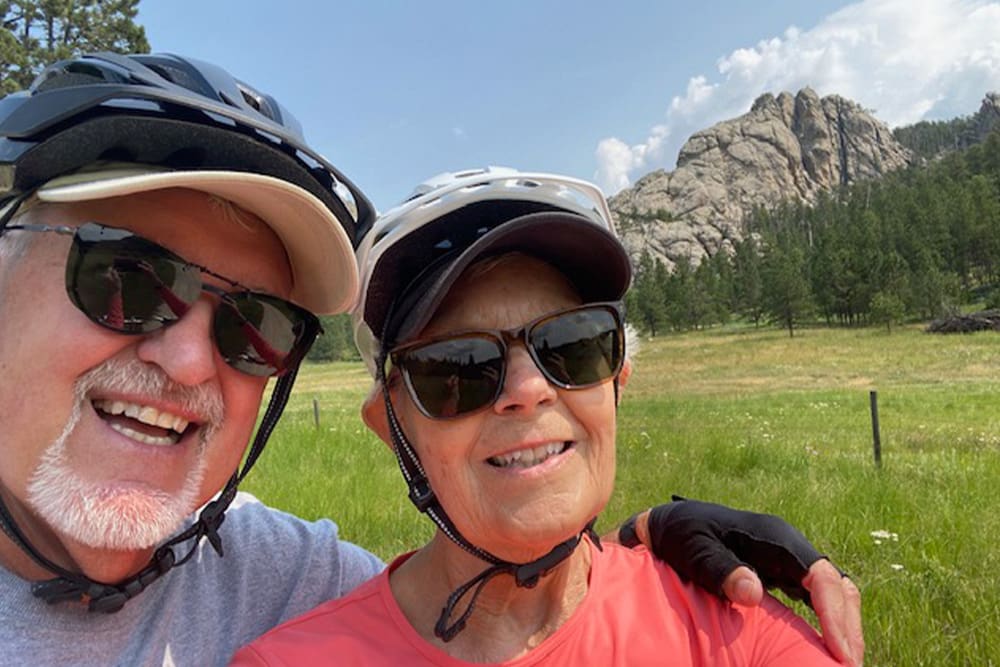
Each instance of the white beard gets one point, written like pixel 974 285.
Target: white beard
pixel 106 515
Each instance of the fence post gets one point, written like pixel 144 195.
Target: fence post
pixel 876 437
pixel 316 412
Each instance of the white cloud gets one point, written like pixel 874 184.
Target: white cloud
pixel 907 59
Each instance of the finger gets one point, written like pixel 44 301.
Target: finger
pixel 855 634
pixel 838 606
pixel 823 583
pixel 742 586
pixel 711 563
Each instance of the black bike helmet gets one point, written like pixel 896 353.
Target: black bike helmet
pixel 167 111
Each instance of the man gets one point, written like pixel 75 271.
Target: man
pixel 166 237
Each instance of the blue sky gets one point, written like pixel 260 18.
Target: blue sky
pixel 393 92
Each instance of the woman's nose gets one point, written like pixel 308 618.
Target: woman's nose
pixel 525 388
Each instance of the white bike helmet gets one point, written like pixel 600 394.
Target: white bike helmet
pixel 415 251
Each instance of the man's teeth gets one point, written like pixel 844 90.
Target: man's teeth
pixel 147 415
pixel 525 458
pixel 143 437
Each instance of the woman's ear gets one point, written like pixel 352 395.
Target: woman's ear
pixel 374 414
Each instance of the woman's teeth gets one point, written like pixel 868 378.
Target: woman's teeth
pixel 526 458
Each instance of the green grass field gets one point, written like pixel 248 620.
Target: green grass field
pixel 759 421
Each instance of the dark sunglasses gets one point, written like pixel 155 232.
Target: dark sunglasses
pixel 131 285
pixel 462 372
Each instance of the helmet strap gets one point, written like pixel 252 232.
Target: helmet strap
pixel 526 575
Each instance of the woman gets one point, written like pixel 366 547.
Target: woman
pixel 492 322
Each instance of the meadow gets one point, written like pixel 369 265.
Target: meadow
pixel 758 420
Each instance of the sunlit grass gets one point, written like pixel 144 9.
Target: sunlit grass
pixel 761 421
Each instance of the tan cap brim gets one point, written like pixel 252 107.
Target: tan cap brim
pixel 324 272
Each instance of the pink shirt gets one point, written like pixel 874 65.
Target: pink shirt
pixel 636 612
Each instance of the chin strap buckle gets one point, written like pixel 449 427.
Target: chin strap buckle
pixel 527 575
pixel 211 519
pixel 421 493
pixel 105 598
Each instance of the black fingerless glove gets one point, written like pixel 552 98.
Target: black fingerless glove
pixel 704 542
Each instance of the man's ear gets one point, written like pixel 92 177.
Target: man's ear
pixel 623 376
pixel 374 414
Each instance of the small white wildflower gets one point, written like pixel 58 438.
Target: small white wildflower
pixel 884 536
pixel 896 566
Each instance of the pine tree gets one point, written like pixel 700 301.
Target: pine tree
pixel 36 33
pixel 645 301
pixel 747 282
pixel 787 298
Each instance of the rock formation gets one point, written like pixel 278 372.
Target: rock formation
pixel 987 118
pixel 785 147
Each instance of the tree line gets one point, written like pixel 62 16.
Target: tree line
pixel 930 139
pixel 36 33
pixel 916 244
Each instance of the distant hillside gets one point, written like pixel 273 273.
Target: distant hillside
pixel 929 139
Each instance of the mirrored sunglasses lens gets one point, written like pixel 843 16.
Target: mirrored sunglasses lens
pixel 130 285
pixel 579 348
pixel 451 377
pixel 257 334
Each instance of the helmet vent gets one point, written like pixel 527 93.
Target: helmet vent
pixel 220 119
pixel 133 104
pixel 176 75
pixel 70 78
pixel 251 99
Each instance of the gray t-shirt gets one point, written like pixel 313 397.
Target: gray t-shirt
pixel 276 566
